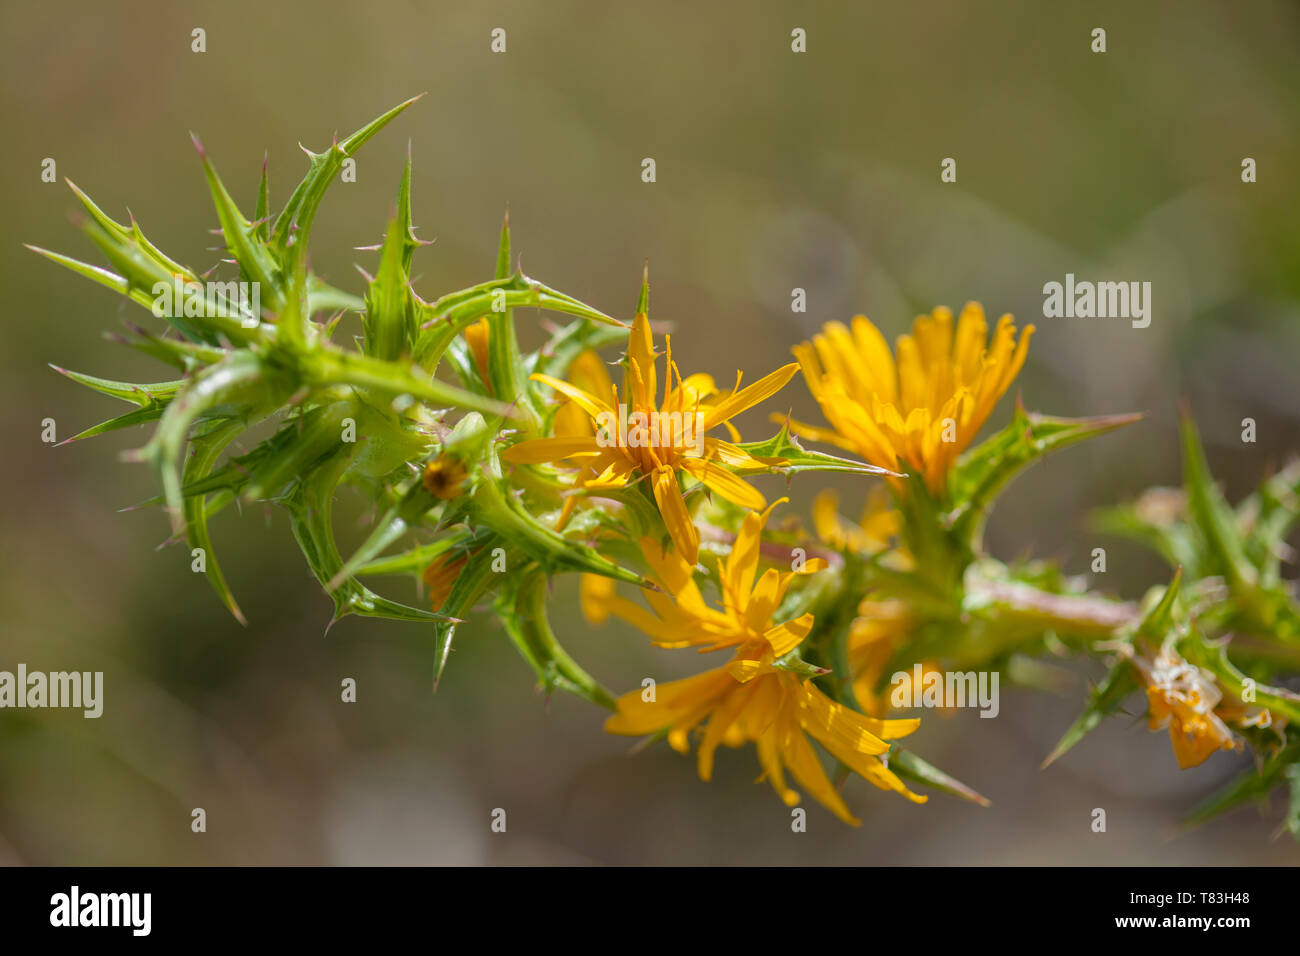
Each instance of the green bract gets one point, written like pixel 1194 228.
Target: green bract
pixel 347 415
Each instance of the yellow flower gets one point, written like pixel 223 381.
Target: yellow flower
pixel 921 411
pixel 750 699
pixel 1183 698
pixel 638 435
pixel 682 618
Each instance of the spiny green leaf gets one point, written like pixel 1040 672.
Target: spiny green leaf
pixel 310 505
pixel 323 297
pixel 1278 769
pixel 128 236
pixel 473 581
pixel 139 416
pixel 1270 513
pixel 449 316
pixel 389 320
pixel 1214 658
pixel 104 277
pixel 241 385
pixel 1157 623
pixel 296 448
pixel 983 471
pixel 1121 679
pixel 505 364
pixel 295 220
pixel 257 263
pixel 151 280
pixel 415 560
pixel 458 356
pixel 570 341
pixel 415 501
pixel 186 356
pixel 911 767
pixel 1104 699
pixel 783 454
pixel 204 452
pixel 521 606
pixel 262 213
pixel 145 396
pixel 501 511
pixel 328 366
pixel 1213 517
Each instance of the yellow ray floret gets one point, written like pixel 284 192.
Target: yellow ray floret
pixel 751 699
pixel 919 409
pixel 682 618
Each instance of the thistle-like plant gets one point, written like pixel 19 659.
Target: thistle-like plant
pixel 536 464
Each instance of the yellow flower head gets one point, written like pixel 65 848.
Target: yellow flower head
pixel 1183 698
pixel 751 699
pixel 640 434
pixel 918 412
pixel 682 618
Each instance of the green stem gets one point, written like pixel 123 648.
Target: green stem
pixel 533 635
pixel 1084 616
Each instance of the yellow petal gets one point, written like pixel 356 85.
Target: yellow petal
pixel 720 722
pixel 831 722
pixel 786 637
pixel 477 338
pixel 566 511
pixel 729 454
pixel 763 600
pixel 740 566
pixel 770 760
pixel 876 356
pixel 590 404
pixel 588 372
pixel 641 351
pixel 672 508
pixel 594 592
pixel 673 701
pixel 537 450
pixel 873 771
pixel 745 670
pixel 737 402
pixel 729 486
pixel 804 766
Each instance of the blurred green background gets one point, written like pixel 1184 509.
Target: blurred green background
pixel 775 171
